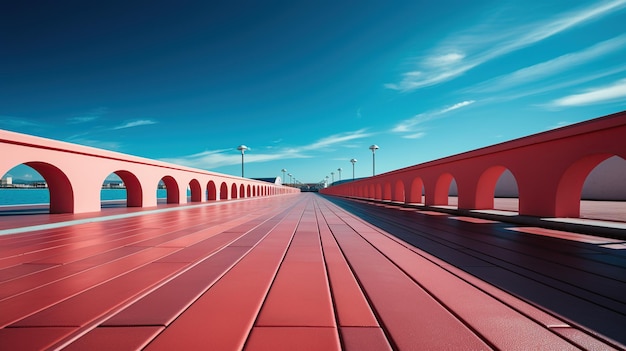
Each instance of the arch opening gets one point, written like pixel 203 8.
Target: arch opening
pixel 223 191
pixel 497 189
pixel 446 193
pixel 233 191
pixel 386 192
pixel 399 193
pixel 168 191
pixel 416 195
pixel 40 185
pixel 603 194
pixel 121 188
pixel 211 191
pixel 194 191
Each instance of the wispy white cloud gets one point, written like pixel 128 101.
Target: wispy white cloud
pixel 89 116
pixel 476 46
pixel 552 67
pixel 137 123
pixel 543 88
pixel 82 119
pixel 336 139
pixel 604 94
pixel 224 157
pixel 408 125
pixel 414 135
pixel 16 122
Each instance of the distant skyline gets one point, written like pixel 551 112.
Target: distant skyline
pixel 307 86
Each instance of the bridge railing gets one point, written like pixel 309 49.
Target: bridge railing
pixel 75 174
pixel 550 169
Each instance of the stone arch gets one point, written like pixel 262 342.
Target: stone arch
pixel 417 190
pixel 487 184
pixel 605 183
pixel 242 191
pixel 223 191
pixel 211 190
pixel 569 188
pixel 248 191
pixel 442 189
pixel 399 193
pixel 196 190
pixel 233 191
pixel 134 192
pixel 59 186
pixel 171 187
pixel 378 191
pixel 386 192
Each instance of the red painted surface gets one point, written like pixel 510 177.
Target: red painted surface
pixel 550 169
pixel 75 174
pixel 294 273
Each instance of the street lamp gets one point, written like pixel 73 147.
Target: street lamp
pixel 353 161
pixel 339 170
pixel 326 182
pixel 283 170
pixel 289 174
pixel 242 148
pixel 332 174
pixel 374 147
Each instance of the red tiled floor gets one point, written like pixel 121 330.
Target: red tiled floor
pixel 293 272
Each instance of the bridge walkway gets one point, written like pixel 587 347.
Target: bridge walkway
pixel 279 273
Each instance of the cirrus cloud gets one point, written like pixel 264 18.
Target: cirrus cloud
pixel 137 123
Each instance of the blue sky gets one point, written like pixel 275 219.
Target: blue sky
pixel 307 85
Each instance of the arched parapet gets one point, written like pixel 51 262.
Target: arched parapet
pixel 570 185
pixel 399 192
pixel 549 170
pixel 441 190
pixel 378 191
pixel 61 191
pixel 211 190
pixel 223 193
pixel 486 185
pixel 386 191
pixel 196 190
pixel 172 189
pixel 248 191
pixel 134 191
pixel 233 191
pixel 416 190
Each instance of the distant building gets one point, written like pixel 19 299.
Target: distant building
pixel 6 182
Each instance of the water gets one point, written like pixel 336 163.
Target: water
pixel 11 197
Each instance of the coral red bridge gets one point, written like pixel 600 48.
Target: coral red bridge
pixel 263 267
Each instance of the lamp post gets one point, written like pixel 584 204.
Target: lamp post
pixel 353 161
pixel 242 148
pixel 326 182
pixel 332 174
pixel 289 174
pixel 283 170
pixel 339 170
pixel 374 147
